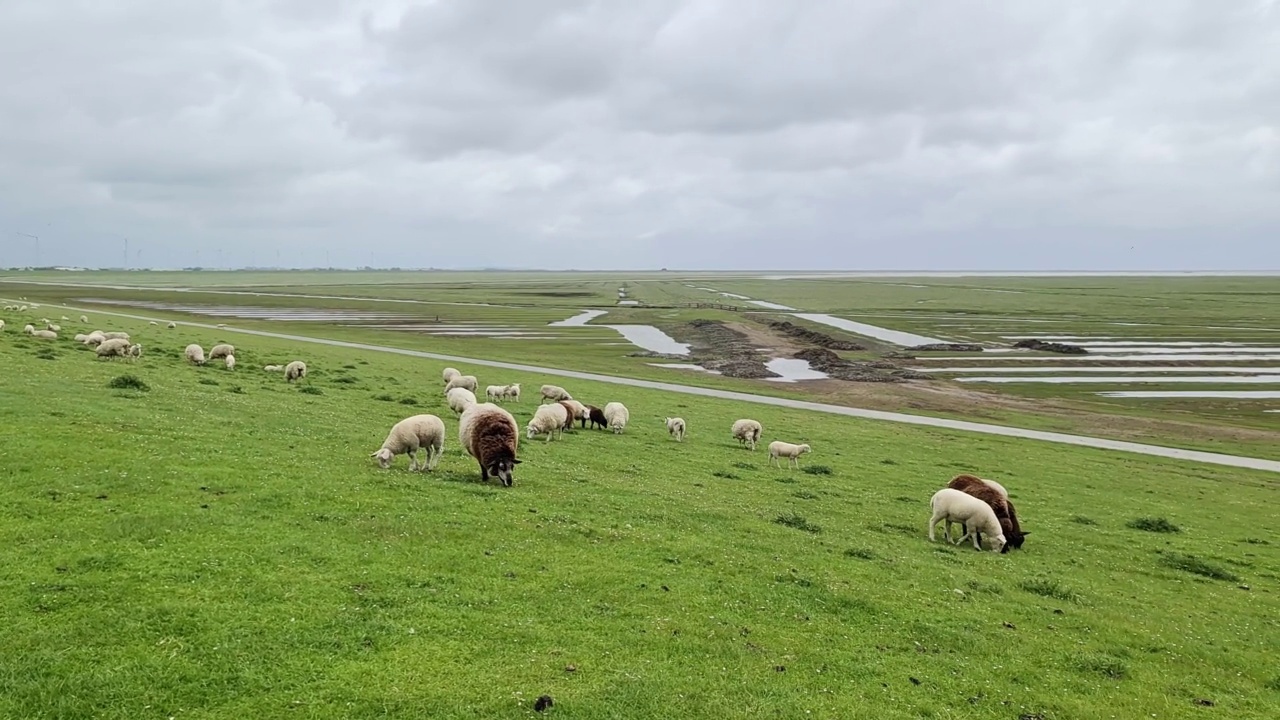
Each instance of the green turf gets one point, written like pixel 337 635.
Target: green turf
pixel 220 545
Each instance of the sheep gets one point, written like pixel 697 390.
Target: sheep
pixel 29 328
pixel 462 381
pixel 459 399
pixel 411 435
pixel 153 322
pixel 45 334
pixel 555 393
pixel 80 337
pixel 577 411
pixel 135 351
pixel 273 368
pixel 113 348
pixel 95 338
pixel 951 505
pixel 596 416
pixel 53 326
pixel 513 391
pixel 747 432
pixel 194 354
pixel 172 325
pixel 295 371
pixel 220 325
pixel 548 419
pixel 84 318
pixel 65 319
pixel 449 374
pixel 221 350
pixel 675 428
pixel 230 361
pixel 617 415
pixel 116 334
pixel 22 309
pixel 1 325
pixel 993 494
pixel 779 449
pixel 491 435
pixel 494 392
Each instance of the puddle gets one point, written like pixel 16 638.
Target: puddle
pixel 1138 369
pixel 1077 379
pixel 651 338
pixel 896 337
pixel 735 296
pixel 769 305
pixel 628 302
pixel 579 320
pixel 793 370
pixel 1173 394
pixel 685 366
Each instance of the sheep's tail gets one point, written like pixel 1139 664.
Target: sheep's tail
pixel 755 435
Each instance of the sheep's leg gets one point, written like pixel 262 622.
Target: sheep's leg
pixel 964 537
pixel 933 522
pixel 977 543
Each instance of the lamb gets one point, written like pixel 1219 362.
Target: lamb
pixel 65 319
pixel 459 399
pixel 462 381
pixel 230 360
pixel 617 415
pixel 490 435
pixel 495 392
pixel 22 309
pixel 94 338
pixel 577 411
pixel 513 391
pixel 195 354
pixel 555 393
pixel 84 318
pixel 273 368
pixel 295 371
pixel 80 337
pixel 113 348
pixel 449 374
pixel 950 505
pixel 116 334
pixel 53 326
pixel 45 334
pixel 221 350
pixel 747 432
pixel 675 428
pixel 993 494
pixel 596 416
pixel 29 328
pixel 135 351
pixel 548 419
pixel 172 325
pixel 410 436
pixel 1 325
pixel 779 449
pixel 153 322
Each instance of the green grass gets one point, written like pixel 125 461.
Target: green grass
pixel 1153 524
pixel 197 552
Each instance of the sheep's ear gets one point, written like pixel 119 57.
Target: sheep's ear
pixel 1026 533
pixel 515 461
pixel 373 454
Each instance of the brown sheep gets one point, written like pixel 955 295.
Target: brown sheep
pixel 489 434
pixel 570 413
pixel 596 416
pixel 1001 504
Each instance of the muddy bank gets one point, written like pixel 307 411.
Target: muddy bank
pixel 729 352
pixel 1053 347
pixel 841 369
pixel 813 337
pixel 947 347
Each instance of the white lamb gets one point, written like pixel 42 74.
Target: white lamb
pixel 408 437
pixel 459 399
pixel 84 318
pixel 273 368
pixel 779 449
pixel 113 348
pixel 295 370
pixel 173 325
pixel 449 374
pixel 221 350
pixel 513 391
pixel 616 414
pixel 80 337
pixel 495 392
pixel 65 319
pixel 1 325
pixel 675 428
pixel 462 381
pixel 230 361
pixel 195 354
pixel 116 334
pixel 747 432
pixel 153 322
pixel 29 328
pixel 53 326
pixel 135 351
pixel 45 334
pixel 951 505
pixel 549 419
pixel 555 393
pixel 94 338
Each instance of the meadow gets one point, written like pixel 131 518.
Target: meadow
pixel 199 543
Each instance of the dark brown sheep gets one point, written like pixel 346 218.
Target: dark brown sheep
pixel 596 415
pixel 490 435
pixel 1002 506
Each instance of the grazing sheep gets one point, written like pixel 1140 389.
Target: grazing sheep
pixel 172 325
pixel 22 309
pixel 993 494
pixel 84 318
pixel 273 368
pixel 295 370
pixel 409 436
pixel 555 393
pixel 80 337
pixel 230 360
pixel 64 318
pixel 116 334
pixel 490 435
pixel 779 449
pixel 513 391
pixel 596 416
pixel 29 328
pixel 495 392
pixel 195 354
pixel 220 325
pixel 135 351
pixel 1 325
pixel 675 428
pixel 951 505
pixel 113 348
pixel 53 326
pixel 221 350
pixel 462 381
pixel 449 374
pixel 94 338
pixel 577 411
pixel 153 322
pixel 747 432
pixel 549 419
pixel 45 334
pixel 459 399
pixel 617 416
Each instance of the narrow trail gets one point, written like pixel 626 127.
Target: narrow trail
pixel 961 425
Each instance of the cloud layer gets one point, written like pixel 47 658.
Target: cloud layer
pixel 743 134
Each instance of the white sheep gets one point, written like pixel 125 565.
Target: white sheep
pixel 747 432
pixel 273 368
pixel 495 392
pixel 153 322
pixel 555 393
pixel 80 337
pixel 779 449
pixel 95 338
pixel 230 361
pixel 221 325
pixel 617 415
pixel 221 350
pixel 65 319
pixel 84 318
pixel 29 328
pixel 45 334
pixel 549 419
pixel 173 325
pixel 116 334
pixel 135 351
pixel 53 326
pixel 513 391
pixel 295 370
pixel 950 505
pixel 459 399
pixel 577 411
pixel 675 428
pixel 449 374
pixel 22 309
pixel 113 348
pixel 1 325
pixel 408 437
pixel 462 381
pixel 195 354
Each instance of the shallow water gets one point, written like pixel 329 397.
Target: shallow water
pixel 628 302
pixel 685 366
pixel 770 305
pixel 1135 369
pixel 579 320
pixel 896 337
pixel 1220 394
pixel 1179 357
pixel 735 296
pixel 793 370
pixel 1077 379
pixel 1202 349
pixel 652 339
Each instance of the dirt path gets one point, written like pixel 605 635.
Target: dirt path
pixel 867 414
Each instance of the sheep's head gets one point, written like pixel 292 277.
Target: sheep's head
pixel 384 457
pixel 1015 540
pixel 504 469
pixel 805 448
pixel 998 543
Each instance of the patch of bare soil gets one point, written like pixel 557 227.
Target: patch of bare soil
pixel 716 346
pixel 841 369
pixel 813 337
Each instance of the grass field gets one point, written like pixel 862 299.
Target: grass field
pixel 214 544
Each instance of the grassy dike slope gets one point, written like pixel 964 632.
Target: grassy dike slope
pixel 221 546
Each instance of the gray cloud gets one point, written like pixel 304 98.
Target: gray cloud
pixel 683 133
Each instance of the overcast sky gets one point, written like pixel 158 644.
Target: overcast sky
pixel 736 134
